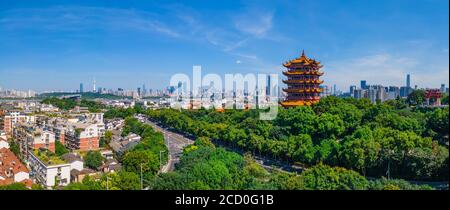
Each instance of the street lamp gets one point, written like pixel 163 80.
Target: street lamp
pixel 160 159
pixel 390 152
pixel 142 183
pixel 107 182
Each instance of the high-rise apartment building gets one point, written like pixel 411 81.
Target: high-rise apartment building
pixel 363 84
pixel 408 80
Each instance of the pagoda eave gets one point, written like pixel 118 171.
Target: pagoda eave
pixel 303 81
pixel 292 103
pixel 290 73
pixel 310 90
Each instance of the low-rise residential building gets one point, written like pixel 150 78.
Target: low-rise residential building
pixel 32 137
pixel 55 125
pixel 4 143
pixel 60 134
pixel 78 176
pixel 77 172
pixel 12 170
pixel 78 109
pixel 82 136
pixel 115 124
pixel 26 106
pixel 47 169
pixel 107 154
pixel 48 108
pixel 3 135
pixel 75 161
pixel 122 144
pixel 78 132
pixel 110 165
pixel 97 118
pixel 121 103
pixel 12 118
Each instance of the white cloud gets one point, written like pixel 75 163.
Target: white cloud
pixel 227 41
pixel 235 45
pixel 231 37
pixel 81 18
pixel 254 23
pixel 246 56
pixel 247 25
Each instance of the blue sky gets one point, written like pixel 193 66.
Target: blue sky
pixel 55 45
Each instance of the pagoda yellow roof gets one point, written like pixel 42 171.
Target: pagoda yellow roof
pixel 302 60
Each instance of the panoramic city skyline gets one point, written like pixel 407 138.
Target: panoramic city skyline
pixel 241 103
pixel 53 45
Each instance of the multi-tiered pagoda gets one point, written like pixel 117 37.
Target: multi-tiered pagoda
pixel 303 82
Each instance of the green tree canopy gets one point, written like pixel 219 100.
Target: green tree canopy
pixel 417 97
pixel 93 159
pixel 60 149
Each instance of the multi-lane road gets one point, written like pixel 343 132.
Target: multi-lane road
pixel 174 142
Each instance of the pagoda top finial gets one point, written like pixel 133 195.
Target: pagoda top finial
pixel 303 60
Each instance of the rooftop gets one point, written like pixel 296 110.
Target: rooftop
pixel 75 172
pixel 303 60
pixel 47 157
pixel 10 164
pixel 70 157
pixel 27 182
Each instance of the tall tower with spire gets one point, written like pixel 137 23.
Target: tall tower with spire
pixel 94 87
pixel 302 82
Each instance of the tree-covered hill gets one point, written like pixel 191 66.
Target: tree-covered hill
pixel 386 139
pixel 86 95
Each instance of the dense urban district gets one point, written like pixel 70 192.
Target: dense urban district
pixel 338 143
pixel 373 138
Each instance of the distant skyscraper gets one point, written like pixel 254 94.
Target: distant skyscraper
pixel 81 88
pixel 352 89
pixel 334 89
pixel 442 88
pixel 268 85
pixel 363 84
pixel 408 81
pixel 170 89
pixel 185 89
pixel 393 92
pixel 359 93
pixel 405 91
pixel 139 91
pixel 179 88
pixel 144 90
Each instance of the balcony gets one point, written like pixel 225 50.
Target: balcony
pixel 303 90
pixel 303 81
